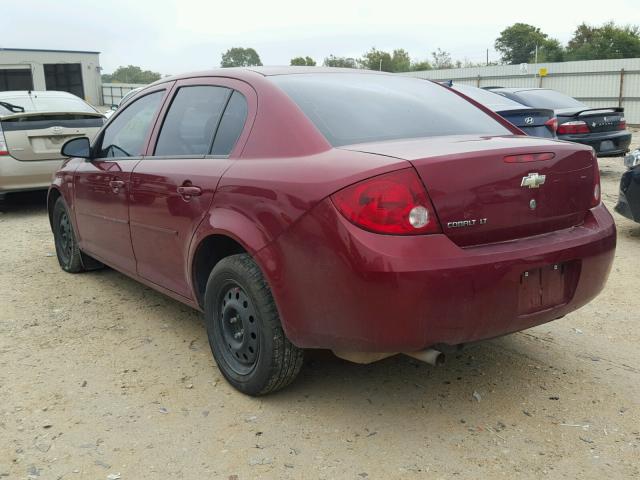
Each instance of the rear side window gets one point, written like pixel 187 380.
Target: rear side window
pixel 231 125
pixel 353 108
pixel 125 136
pixel 192 120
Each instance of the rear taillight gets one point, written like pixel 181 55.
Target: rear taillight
pixel 552 124
pixel 529 157
pixel 569 128
pixel 623 124
pixel 595 200
pixel 394 203
pixel 3 143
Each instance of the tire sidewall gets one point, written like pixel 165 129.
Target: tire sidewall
pixel 58 210
pixel 258 377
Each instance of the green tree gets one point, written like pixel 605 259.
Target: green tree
pixel 377 60
pixel 343 62
pixel 441 59
pixel 420 66
pixel 397 61
pixel 551 50
pixel 517 44
pixel 303 61
pixel 607 41
pixel 131 74
pixel 240 57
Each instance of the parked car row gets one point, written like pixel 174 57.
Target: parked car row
pixel 604 129
pixel 367 213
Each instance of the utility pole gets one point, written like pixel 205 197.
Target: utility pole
pixel 487 57
pixel 380 68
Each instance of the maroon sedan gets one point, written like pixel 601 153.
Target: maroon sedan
pixel 362 212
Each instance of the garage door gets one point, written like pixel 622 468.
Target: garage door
pixel 15 79
pixel 66 77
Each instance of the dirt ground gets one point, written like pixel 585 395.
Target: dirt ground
pixel 101 378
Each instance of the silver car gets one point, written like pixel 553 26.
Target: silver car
pixel 33 127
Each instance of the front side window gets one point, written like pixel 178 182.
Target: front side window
pixel 126 135
pixel 192 120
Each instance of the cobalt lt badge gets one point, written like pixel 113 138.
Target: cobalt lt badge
pixel 533 180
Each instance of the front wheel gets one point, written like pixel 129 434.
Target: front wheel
pixel 244 329
pixel 70 258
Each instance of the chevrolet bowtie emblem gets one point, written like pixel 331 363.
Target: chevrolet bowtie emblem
pixel 533 180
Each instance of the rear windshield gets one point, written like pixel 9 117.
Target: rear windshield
pixel 488 99
pixel 548 99
pixel 45 103
pixel 353 108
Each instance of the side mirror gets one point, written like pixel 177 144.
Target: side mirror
pixel 77 147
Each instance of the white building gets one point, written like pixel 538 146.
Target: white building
pixel 77 72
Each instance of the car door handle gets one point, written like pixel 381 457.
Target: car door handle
pixel 116 185
pixel 187 192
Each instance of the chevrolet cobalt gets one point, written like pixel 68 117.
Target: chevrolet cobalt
pixel 362 212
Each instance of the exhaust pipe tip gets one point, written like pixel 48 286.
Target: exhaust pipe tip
pixel 431 356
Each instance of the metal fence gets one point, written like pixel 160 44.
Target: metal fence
pixel 112 93
pixel 598 83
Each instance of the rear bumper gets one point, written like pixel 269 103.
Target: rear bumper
pixel 339 287
pixel 629 199
pixel 17 176
pixel 619 146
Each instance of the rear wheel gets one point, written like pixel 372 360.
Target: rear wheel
pixel 244 329
pixel 70 258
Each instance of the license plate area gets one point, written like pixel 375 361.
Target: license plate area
pixel 606 145
pixel 546 287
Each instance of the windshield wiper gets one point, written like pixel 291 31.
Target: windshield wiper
pixel 12 108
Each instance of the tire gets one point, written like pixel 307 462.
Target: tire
pixel 244 329
pixel 70 258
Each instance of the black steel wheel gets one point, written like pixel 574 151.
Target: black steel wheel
pixel 70 257
pixel 244 329
pixel 67 251
pixel 238 327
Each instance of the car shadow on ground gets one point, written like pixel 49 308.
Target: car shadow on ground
pixel 24 203
pixel 496 367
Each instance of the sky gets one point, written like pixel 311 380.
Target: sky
pixel 173 37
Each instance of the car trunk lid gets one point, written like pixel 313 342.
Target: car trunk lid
pixel 33 136
pixel 597 119
pixel 531 121
pixel 481 198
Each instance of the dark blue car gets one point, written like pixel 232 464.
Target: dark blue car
pixel 604 129
pixel 536 122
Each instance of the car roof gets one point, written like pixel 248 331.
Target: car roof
pixel 252 72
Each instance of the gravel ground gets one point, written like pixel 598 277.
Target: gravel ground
pixel 101 378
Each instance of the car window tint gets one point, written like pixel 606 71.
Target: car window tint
pixel 231 125
pixel 192 120
pixel 126 134
pixel 353 108
pixel 548 99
